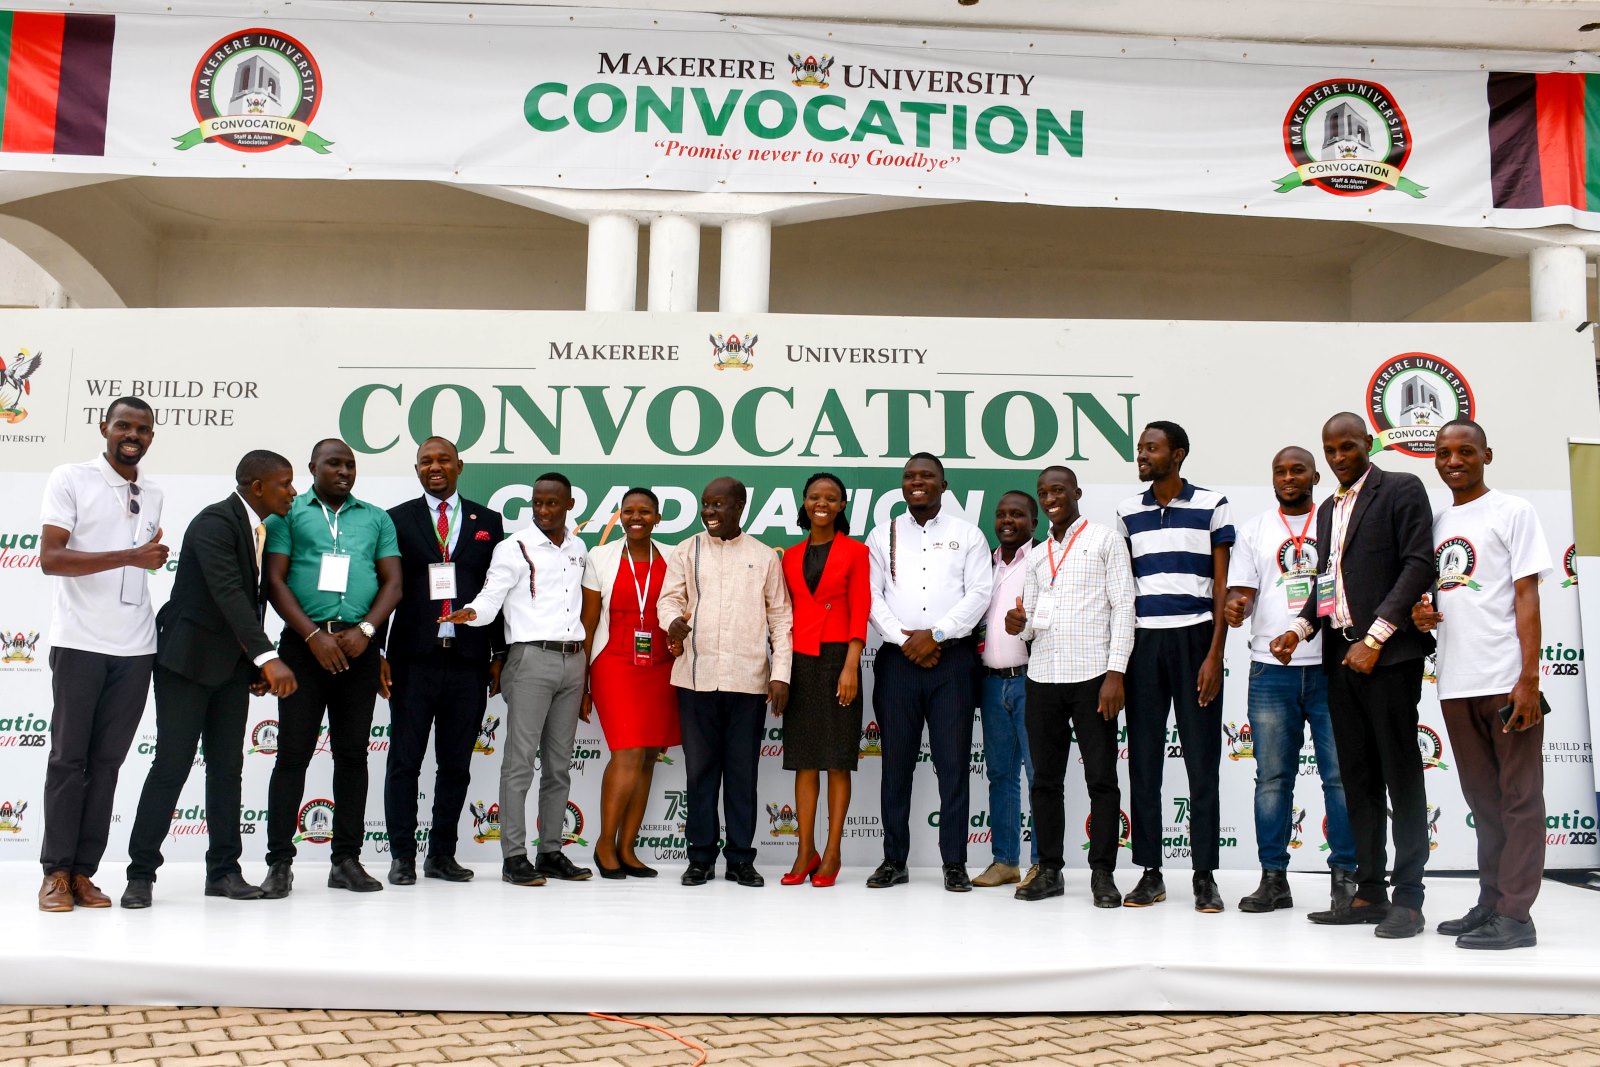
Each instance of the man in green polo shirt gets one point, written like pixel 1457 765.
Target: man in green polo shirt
pixel 332 572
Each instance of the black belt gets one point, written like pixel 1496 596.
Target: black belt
pixel 1007 672
pixel 444 642
pixel 952 642
pixel 334 626
pixel 566 648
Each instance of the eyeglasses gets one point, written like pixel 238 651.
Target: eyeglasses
pixel 133 499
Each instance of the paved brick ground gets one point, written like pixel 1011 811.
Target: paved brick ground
pixel 214 1037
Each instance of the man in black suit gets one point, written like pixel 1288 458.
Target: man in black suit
pixel 437 675
pixel 1379 562
pixel 211 653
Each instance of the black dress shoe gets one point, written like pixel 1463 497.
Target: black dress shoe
pixel 697 873
pixel 614 873
pixel 1474 918
pixel 278 882
pixel 518 871
pixel 234 887
pixel 634 870
pixel 1270 895
pixel 402 872
pixel 1150 890
pixel 137 895
pixel 445 867
pixel 888 873
pixel 955 878
pixel 1352 914
pixel 1402 922
pixel 1500 932
pixel 1206 898
pixel 349 874
pixel 556 865
pixel 1104 888
pixel 745 874
pixel 1047 883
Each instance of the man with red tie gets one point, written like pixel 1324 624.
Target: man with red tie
pixel 437 676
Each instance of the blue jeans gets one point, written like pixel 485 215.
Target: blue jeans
pixel 1005 754
pixel 1282 702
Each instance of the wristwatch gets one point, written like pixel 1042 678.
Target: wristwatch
pixel 1372 643
pixel 367 629
pixel 938 635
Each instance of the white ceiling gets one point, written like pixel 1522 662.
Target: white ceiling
pixel 1537 25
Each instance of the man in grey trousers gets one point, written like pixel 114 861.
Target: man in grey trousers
pixel 535 581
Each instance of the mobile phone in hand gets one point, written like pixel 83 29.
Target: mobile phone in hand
pixel 1510 709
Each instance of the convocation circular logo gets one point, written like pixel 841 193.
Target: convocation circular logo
pixel 1430 748
pixel 1306 563
pixel 1410 396
pixel 316 822
pixel 264 738
pixel 1124 831
pixel 1347 137
pixel 1455 560
pixel 1569 563
pixel 255 91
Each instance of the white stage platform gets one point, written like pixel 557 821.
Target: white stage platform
pixel 655 946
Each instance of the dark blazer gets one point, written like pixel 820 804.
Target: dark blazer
pixel 838 610
pixel 415 624
pixel 1387 565
pixel 213 618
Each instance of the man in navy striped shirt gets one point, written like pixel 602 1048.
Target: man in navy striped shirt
pixel 1179 536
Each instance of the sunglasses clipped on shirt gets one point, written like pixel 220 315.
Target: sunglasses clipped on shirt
pixel 133 499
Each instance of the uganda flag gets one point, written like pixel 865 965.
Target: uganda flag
pixel 1544 140
pixel 55 77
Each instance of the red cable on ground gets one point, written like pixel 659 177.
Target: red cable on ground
pixel 679 1038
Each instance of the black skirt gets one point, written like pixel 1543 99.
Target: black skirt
pixel 819 734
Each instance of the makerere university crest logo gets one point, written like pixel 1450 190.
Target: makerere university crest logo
pixel 1409 397
pixel 16 383
pixel 1347 137
pixel 255 91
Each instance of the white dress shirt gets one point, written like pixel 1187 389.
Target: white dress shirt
pixel 258 536
pixel 934 577
pixel 548 608
pixel 1091 628
pixel 452 514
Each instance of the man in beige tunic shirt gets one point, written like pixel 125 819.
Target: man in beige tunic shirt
pixel 727 600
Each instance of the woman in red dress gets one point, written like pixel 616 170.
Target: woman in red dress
pixel 828 580
pixel 630 677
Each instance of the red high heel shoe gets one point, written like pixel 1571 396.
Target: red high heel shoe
pixel 823 881
pixel 796 879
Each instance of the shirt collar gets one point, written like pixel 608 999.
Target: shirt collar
pixel 537 538
pixel 314 501
pixel 1185 493
pixel 249 513
pixel 1071 526
pixel 109 473
pixel 1022 554
pixel 1341 492
pixel 434 502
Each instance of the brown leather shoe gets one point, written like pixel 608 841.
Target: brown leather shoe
pixel 86 894
pixel 56 893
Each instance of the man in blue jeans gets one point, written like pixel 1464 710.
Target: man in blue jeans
pixel 1271 575
pixel 1005 669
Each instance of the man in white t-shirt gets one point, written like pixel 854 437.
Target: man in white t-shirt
pixel 102 532
pixel 1492 554
pixel 1272 572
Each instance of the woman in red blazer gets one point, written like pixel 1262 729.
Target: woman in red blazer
pixel 831 590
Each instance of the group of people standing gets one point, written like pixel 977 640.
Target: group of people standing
pixel 430 605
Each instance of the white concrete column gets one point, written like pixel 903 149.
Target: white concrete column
pixel 1558 278
pixel 674 264
pixel 613 276
pixel 746 265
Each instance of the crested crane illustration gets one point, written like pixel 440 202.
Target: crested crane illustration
pixel 15 385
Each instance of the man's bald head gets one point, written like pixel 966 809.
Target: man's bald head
pixel 1295 452
pixel 1343 423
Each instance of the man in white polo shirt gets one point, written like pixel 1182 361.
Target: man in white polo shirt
pixel 102 532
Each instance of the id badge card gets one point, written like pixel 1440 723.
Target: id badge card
pixel 334 577
pixel 643 654
pixel 1044 613
pixel 1298 591
pixel 132 586
pixel 441 581
pixel 1327 594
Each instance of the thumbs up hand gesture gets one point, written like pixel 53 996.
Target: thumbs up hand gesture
pixel 1016 619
